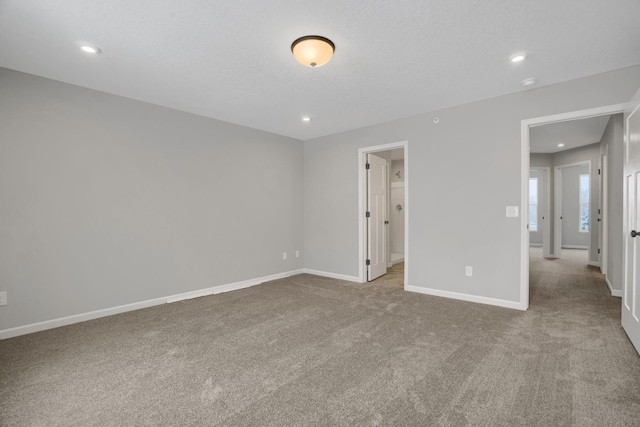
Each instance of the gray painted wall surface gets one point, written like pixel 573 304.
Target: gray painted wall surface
pixel 535 237
pixel 450 166
pixel 571 236
pixel 541 160
pixel 108 201
pixel 397 166
pixel 612 142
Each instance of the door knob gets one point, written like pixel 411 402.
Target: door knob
pixel 634 233
pixel 386 222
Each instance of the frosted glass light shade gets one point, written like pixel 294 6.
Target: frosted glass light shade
pixel 313 51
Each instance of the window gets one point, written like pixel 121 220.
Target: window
pixel 533 204
pixel 584 203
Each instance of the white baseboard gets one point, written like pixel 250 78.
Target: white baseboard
pixel 77 318
pixel 466 297
pixel 535 245
pixel 332 275
pixel 594 263
pixel 614 292
pixel 574 247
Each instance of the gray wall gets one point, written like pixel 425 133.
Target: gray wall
pixel 397 166
pixel 541 160
pixel 450 166
pixel 612 145
pixel 535 237
pixel 108 201
pixel 571 236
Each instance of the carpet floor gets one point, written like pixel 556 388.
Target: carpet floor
pixel 315 351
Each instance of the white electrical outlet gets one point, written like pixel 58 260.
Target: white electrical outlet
pixel 284 255
pixel 3 298
pixel 512 211
pixel 468 270
pixel 297 254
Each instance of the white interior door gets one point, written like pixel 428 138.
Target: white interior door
pixel 631 223
pixel 376 217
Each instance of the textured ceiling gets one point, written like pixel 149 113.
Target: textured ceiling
pixel 573 134
pixel 231 60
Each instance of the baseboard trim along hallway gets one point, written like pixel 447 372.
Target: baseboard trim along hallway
pixel 332 275
pixel 614 292
pixel 465 297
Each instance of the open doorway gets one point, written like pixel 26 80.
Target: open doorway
pixel 383 226
pixel 574 204
pixel 559 155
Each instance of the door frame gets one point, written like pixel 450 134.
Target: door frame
pixel 557 205
pixel 362 206
pixel 524 180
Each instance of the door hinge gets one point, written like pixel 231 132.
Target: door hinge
pixel 368 262
pixel 598 250
pixel 368 166
pixel 598 171
pixel 368 214
pixel 598 211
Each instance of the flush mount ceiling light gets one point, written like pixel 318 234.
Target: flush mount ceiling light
pixel 518 58
pixel 313 51
pixel 306 119
pixel 561 145
pixel 90 49
pixel 529 82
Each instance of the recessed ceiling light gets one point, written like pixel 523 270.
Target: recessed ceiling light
pixel 529 82
pixel 306 119
pixel 561 145
pixel 90 49
pixel 518 58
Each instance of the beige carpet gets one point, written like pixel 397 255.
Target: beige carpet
pixel 394 276
pixel 314 351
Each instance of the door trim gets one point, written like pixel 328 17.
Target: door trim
pixel 362 191
pixel 524 180
pixel 557 207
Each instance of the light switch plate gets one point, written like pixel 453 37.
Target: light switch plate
pixel 512 211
